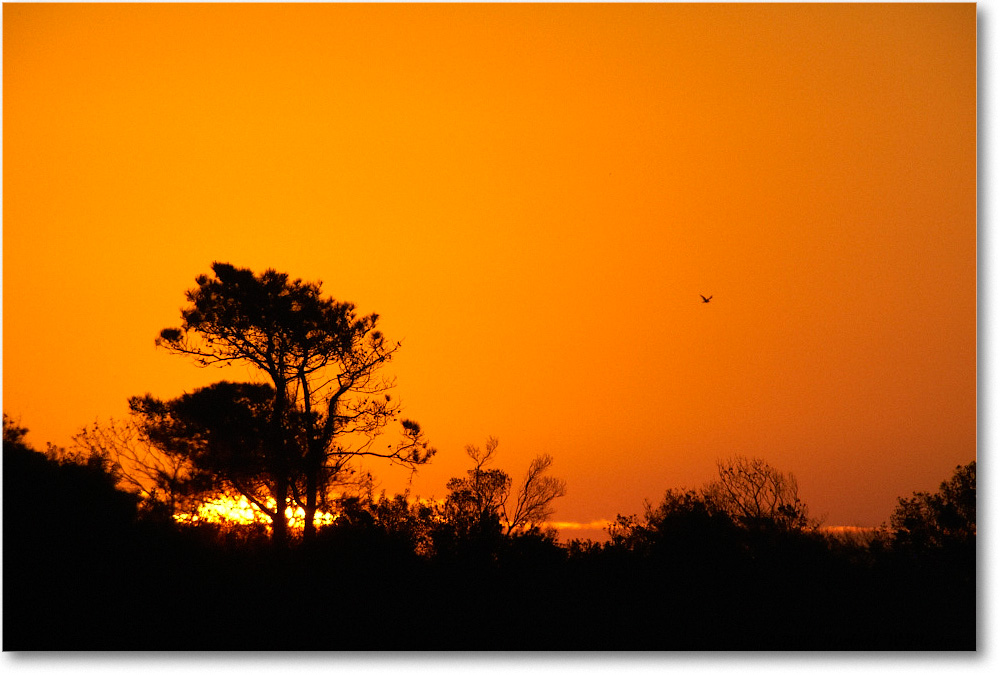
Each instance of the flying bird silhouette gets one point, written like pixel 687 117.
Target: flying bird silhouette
pixel 704 299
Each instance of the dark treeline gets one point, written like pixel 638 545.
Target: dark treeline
pixel 101 552
pixel 88 567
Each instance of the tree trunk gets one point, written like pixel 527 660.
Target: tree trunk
pixel 314 467
pixel 309 527
pixel 279 464
pixel 279 524
pixel 314 461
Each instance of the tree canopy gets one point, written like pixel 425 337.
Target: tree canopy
pixel 325 403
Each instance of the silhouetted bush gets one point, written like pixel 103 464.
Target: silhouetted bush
pixel 945 519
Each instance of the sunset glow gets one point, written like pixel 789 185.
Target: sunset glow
pixel 534 199
pixel 240 511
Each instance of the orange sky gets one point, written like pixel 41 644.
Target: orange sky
pixel 532 197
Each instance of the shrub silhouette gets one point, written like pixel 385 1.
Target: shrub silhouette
pixel 946 518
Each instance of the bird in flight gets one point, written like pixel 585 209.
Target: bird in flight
pixel 704 299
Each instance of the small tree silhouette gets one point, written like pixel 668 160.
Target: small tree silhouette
pixel 167 483
pixel 756 494
pixel 483 496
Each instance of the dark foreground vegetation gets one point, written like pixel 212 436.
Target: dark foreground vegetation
pixel 87 568
pixel 95 557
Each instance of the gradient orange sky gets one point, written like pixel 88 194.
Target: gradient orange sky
pixel 533 197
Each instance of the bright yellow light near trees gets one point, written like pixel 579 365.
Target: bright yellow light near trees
pixel 228 509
